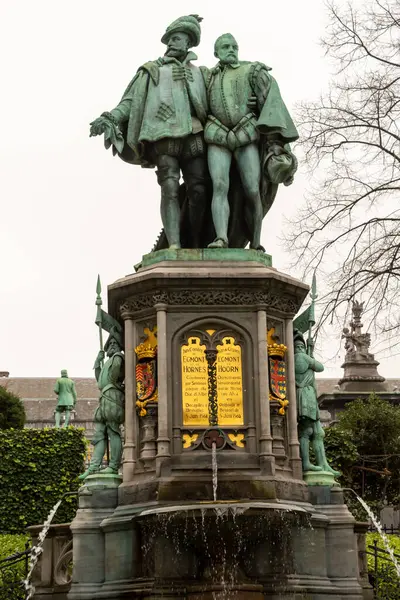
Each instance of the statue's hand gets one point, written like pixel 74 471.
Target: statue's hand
pixel 100 356
pixel 98 126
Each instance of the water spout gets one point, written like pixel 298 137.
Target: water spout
pixel 214 470
pixel 378 527
pixel 37 550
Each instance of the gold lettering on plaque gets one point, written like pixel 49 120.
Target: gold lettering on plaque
pixel 229 383
pixel 194 383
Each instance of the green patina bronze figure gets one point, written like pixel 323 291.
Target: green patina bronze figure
pixel 159 122
pixel 311 431
pixel 310 428
pixel 173 113
pixel 110 413
pixel 250 124
pixel 66 392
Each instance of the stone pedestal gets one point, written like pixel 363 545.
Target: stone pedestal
pixel 51 577
pixel 188 294
pixel 89 547
pixel 212 430
pixel 361 374
pixel 360 367
pixel 320 478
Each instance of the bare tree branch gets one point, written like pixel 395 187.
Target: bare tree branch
pixel 349 224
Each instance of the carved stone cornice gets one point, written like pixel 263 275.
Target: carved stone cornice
pixel 284 303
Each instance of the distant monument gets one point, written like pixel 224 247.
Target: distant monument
pixel 360 367
pixel 66 393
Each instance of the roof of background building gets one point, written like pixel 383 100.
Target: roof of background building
pixel 40 400
pixel 43 387
pixel 31 388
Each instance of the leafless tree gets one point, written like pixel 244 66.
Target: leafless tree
pixel 349 225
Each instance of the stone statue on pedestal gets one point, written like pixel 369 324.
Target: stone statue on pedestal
pixel 360 366
pixel 357 343
pixel 66 392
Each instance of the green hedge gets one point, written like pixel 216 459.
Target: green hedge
pixel 37 467
pixel 11 576
pixel 388 583
pixel 12 411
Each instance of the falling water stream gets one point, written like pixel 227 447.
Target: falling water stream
pixel 214 470
pixel 37 550
pixel 378 527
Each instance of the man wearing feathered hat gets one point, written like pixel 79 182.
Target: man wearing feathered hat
pixel 110 412
pixel 159 122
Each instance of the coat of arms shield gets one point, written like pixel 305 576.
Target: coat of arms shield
pixel 277 378
pixel 146 380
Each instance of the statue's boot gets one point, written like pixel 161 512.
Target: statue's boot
pixel 108 471
pixel 258 248
pixel 328 469
pixel 311 467
pixel 98 453
pixel 88 472
pixel 218 243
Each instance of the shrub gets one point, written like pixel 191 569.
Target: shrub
pixel 384 575
pixel 365 446
pixel 10 576
pixel 12 412
pixel 37 467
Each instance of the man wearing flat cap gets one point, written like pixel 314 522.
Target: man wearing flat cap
pixel 159 122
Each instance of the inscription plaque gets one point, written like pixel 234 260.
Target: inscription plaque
pixel 228 392
pixel 194 383
pixel 229 383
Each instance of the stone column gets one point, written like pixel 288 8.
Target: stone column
pixel 294 446
pixel 267 459
pixel 163 439
pixel 89 554
pixel 130 447
pixel 340 543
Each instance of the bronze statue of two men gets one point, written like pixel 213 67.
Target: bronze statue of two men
pixel 225 129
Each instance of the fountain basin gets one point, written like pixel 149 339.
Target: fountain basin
pixel 207 546
pixel 224 506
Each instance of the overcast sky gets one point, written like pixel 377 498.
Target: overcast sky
pixel 69 209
